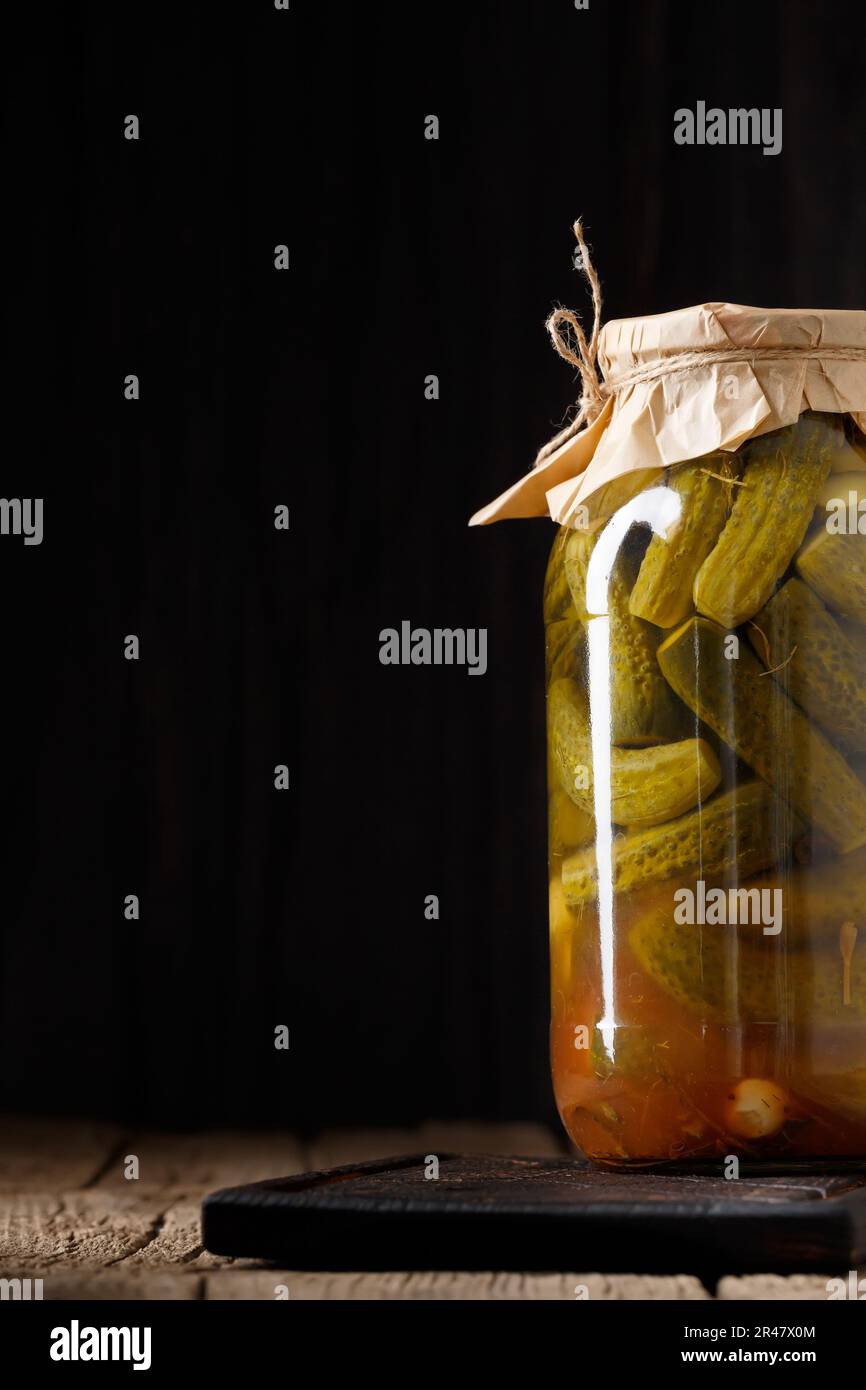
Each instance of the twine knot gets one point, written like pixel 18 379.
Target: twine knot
pixel 569 340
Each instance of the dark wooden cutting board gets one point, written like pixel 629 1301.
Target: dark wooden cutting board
pixel 541 1214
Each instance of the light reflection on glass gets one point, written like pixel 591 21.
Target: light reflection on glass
pixel 660 509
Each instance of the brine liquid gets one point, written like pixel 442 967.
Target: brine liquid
pixel 668 1085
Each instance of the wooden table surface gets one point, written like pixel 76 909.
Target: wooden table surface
pixel 69 1216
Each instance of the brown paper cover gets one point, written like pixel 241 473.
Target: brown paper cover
pixel 695 393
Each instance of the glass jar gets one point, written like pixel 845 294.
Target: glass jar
pixel 706 695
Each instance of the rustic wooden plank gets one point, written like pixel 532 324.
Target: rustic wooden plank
pixel 263 1284
pixel 200 1162
pixel 97 1229
pixel 152 1221
pixel 177 1241
pixel 39 1155
pixel 105 1237
pixel 334 1147
pixel 122 1284
pixel 773 1287
pixel 44 1230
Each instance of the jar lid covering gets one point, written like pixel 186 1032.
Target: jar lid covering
pixel 680 385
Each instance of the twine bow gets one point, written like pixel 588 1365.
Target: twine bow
pixel 569 340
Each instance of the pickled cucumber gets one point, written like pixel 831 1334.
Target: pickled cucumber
pixel 737 832
pixel 643 709
pixel 578 550
pixel 730 974
pixel 752 714
pixel 834 565
pixel 850 456
pixel 811 658
pixel 663 591
pixel 570 825
pixel 769 518
pixel 855 633
pixel 819 899
pixel 557 593
pixel 837 504
pixel 565 643
pixel 647 785
pixel 562 923
pixel 638 1054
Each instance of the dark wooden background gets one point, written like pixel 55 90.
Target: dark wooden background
pixel 407 257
